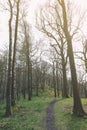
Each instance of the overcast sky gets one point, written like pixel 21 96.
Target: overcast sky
pixel 35 4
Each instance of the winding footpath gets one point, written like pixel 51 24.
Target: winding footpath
pixel 50 121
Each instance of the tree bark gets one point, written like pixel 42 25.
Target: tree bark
pixel 54 82
pixel 77 105
pixel 57 79
pixel 65 92
pixel 14 54
pixel 28 62
pixel 29 80
pixel 8 88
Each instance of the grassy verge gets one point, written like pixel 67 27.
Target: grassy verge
pixel 65 120
pixel 27 115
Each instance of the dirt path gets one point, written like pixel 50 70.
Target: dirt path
pixel 50 124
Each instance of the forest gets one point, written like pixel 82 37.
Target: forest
pixel 43 65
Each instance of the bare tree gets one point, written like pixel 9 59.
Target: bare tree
pixel 64 28
pixel 53 30
pixel 82 55
pixel 8 88
pixel 28 61
pixel 77 106
pixel 14 51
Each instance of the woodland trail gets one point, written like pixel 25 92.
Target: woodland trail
pixel 50 121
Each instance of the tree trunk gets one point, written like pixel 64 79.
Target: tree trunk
pixel 14 54
pixel 65 92
pixel 8 88
pixel 28 61
pixel 57 79
pixel 77 106
pixel 29 81
pixel 54 82
pixel 37 90
pixel 85 91
pixel 37 82
pixel 31 77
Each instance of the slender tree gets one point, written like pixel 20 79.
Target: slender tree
pixel 14 52
pixel 54 80
pixel 57 79
pixel 8 88
pixel 28 62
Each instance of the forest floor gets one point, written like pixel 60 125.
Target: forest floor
pixel 26 115
pixel 65 120
pixel 43 113
pixel 50 119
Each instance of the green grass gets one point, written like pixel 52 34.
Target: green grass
pixel 65 120
pixel 27 115
pixel 30 115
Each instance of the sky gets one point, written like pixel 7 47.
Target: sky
pixel 81 4
pixel 34 5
